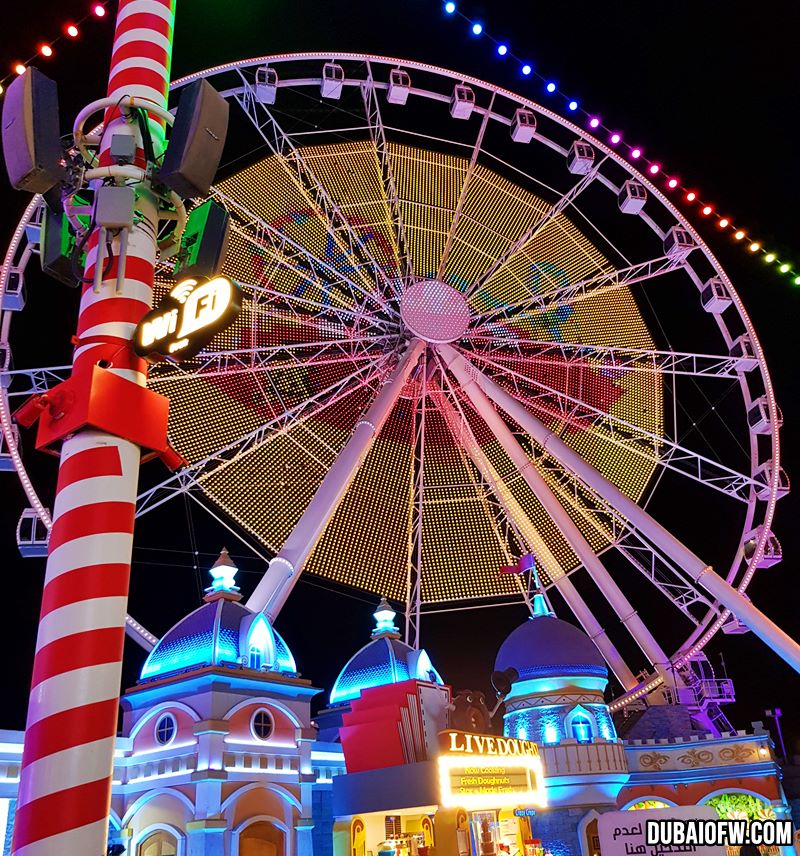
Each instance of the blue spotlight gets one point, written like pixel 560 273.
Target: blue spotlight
pixel 477 29
pixel 526 69
pixel 449 8
pixel 573 105
pixel 502 49
pixel 551 87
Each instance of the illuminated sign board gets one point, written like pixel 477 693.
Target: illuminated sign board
pixel 187 319
pixel 483 771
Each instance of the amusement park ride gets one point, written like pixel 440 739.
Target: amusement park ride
pixel 442 361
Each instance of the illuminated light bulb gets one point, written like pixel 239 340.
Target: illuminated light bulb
pixel 784 268
pixel 636 153
pixel 707 209
pixel 769 258
pixel 551 87
pixel 754 247
pixel 739 235
pixel 2 90
pixel 691 196
pixel 654 168
pixel 477 29
pixel 19 69
pixel 673 183
pixel 502 49
pixel 71 30
pixel 526 69
pixel 797 280
pixel 45 50
pixel 573 105
pixel 99 10
pixel 449 8
pixel 723 223
pixel 594 122
pixel 615 138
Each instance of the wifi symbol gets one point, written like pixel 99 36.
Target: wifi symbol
pixel 183 289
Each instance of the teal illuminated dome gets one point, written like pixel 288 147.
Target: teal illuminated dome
pixel 385 660
pixel 546 646
pixel 221 633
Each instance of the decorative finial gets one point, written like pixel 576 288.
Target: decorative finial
pixel 541 607
pixel 384 620
pixel 223 573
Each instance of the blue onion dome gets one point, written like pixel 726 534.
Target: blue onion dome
pixel 385 660
pixel 222 632
pixel 546 646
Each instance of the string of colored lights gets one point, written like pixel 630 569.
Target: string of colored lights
pixel 70 30
pixel 634 153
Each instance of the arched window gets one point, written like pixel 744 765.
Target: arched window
pixel 582 728
pixel 165 729
pixel 262 724
pixel 160 843
pixel 259 644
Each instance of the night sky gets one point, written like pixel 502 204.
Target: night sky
pixel 710 89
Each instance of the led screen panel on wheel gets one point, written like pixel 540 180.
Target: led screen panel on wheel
pixel 275 398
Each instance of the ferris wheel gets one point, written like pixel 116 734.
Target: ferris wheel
pixel 477 350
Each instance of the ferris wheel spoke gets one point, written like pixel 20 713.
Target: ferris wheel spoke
pixel 193 475
pixel 377 130
pixel 252 362
pixel 536 228
pixel 567 295
pixel 615 529
pixel 354 246
pixel 19 382
pixel 610 359
pixel 568 528
pixel 529 533
pixel 414 584
pixel 636 439
pixel 284 570
pixel 698 571
pixel 314 310
pixel 465 188
pixel 270 243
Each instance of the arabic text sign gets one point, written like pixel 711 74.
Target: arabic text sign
pixel 624 833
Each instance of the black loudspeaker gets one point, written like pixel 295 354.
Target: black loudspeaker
pixel 31 137
pixel 198 137
pixel 205 242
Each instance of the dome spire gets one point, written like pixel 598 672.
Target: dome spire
pixel 540 605
pixel 223 574
pixel 384 621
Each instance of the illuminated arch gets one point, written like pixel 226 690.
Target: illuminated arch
pixel 295 719
pixel 667 802
pixel 261 818
pixel 579 712
pixel 282 792
pixel 150 795
pixel 180 839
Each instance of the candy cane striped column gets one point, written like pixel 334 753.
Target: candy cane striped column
pixel 67 764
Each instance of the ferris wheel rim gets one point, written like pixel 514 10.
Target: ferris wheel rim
pixel 774 456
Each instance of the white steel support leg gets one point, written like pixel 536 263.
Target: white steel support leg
pixel 284 570
pixel 701 573
pixel 535 543
pixel 552 505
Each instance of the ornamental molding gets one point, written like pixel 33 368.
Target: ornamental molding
pixel 556 699
pixel 680 757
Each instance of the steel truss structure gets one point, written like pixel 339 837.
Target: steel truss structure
pixel 445 362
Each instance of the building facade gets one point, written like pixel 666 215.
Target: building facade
pixel 219 755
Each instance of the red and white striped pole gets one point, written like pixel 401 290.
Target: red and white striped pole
pixel 65 781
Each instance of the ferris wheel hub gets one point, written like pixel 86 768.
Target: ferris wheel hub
pixel 434 311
